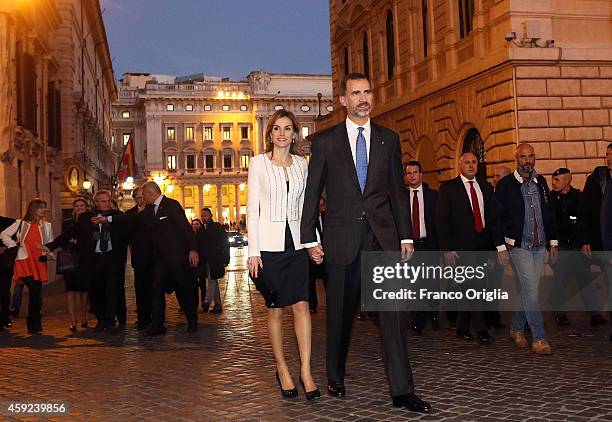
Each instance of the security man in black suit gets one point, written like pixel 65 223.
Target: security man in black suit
pixel 423 202
pixel 100 250
pixel 358 163
pixel 173 250
pixel 464 218
pixel 6 276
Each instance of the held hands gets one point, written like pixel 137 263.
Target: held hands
pixel 254 263
pixel 407 249
pixel 316 254
pixel 194 258
pixel 99 220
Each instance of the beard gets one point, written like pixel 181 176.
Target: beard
pixel 362 112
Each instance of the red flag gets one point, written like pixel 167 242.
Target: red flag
pixel 127 166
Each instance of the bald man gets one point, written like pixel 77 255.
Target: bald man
pixel 464 216
pixel 524 229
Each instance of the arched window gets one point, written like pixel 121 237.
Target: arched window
pixel 366 55
pixel 346 61
pixel 425 14
pixel 466 15
pixel 473 143
pixel 390 45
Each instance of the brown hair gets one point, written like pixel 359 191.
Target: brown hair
pixel 353 76
pixel 296 145
pixel 78 199
pixel 35 204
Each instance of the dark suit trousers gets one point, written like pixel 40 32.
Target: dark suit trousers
pixel 475 318
pixel 343 296
pixel 6 276
pixel 179 275
pixel 104 287
pixel 121 305
pixel 429 257
pixel 142 288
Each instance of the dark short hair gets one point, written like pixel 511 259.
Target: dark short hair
pixel 353 76
pixel 414 163
pixel 206 209
pixel 561 170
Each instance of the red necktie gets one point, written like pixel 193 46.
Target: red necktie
pixel 416 219
pixel 475 209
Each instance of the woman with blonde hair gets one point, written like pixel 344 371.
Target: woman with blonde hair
pixel 277 180
pixel 30 268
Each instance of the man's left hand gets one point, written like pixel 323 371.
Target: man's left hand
pixel 194 258
pixel 407 251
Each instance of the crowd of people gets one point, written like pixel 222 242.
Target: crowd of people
pixel 312 220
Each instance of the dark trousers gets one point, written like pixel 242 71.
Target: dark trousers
pixel 177 274
pixel 476 317
pixel 428 257
pixel 316 272
pixel 6 276
pixel 494 281
pixel 121 305
pixel 105 288
pixel 142 289
pixel 199 275
pixel 343 295
pixel 34 320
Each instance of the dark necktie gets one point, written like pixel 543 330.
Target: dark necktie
pixel 476 209
pixel 416 217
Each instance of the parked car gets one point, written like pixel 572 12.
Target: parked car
pixel 237 239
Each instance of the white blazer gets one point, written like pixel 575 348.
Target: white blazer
pixel 46 234
pixel 270 205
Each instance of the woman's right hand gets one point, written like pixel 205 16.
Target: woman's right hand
pixel 253 263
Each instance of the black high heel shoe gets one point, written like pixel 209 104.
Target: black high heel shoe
pixel 288 394
pixel 310 395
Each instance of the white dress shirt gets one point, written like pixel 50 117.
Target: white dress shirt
pixel 353 132
pixel 157 202
pixel 419 190
pixel 466 185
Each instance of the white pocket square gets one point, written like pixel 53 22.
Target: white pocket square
pixel 165 216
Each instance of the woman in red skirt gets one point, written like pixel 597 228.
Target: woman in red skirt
pixel 30 234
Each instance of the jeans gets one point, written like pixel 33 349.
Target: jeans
pixel 527 265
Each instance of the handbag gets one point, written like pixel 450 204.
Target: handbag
pixel 7 259
pixel 270 295
pixel 67 261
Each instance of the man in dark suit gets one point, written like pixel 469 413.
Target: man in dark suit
pixel 214 253
pixel 423 201
pixel 6 275
pixel 464 216
pixel 358 163
pixel 140 257
pixel 173 250
pixel 316 271
pixel 100 248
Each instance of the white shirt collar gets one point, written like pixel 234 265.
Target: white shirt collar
pixel 419 188
pixel 352 126
pixel 520 179
pixel 465 179
pixel 158 200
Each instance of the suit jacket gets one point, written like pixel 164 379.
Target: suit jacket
pixel 592 196
pixel 140 237
pixel 384 202
pixel 455 219
pixel 430 199
pixel 213 249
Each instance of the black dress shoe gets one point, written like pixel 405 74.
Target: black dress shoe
pixel 155 331
pixel 361 316
pixel 216 310
pixel 411 402
pixel 417 330
pixel 498 325
pixel 485 338
pixel 99 327
pixel 14 313
pixel 192 327
pixel 435 322
pixel 310 395
pixel 464 335
pixel 288 394
pixel 336 388
pixel 598 320
pixel 141 325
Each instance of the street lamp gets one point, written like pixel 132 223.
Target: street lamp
pixel 241 186
pixel 319 95
pixel 86 184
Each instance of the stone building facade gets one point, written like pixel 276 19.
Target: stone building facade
pixel 483 75
pixel 196 134
pixel 53 132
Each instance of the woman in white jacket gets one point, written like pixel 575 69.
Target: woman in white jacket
pixel 31 263
pixel 277 180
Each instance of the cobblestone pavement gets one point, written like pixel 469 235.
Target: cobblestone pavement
pixel 226 370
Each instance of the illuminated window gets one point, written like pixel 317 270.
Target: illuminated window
pixel 126 138
pixel 125 114
pixel 207 107
pixel 225 108
pixel 208 133
pixel 171 162
pixel 189 107
pixel 278 107
pixel 189 133
pixel 170 134
pixel 244 132
pixel 244 107
pixel 305 131
pixel 169 107
pixel 227 133
pixel 244 161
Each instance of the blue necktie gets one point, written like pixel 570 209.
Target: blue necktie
pixel 361 159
